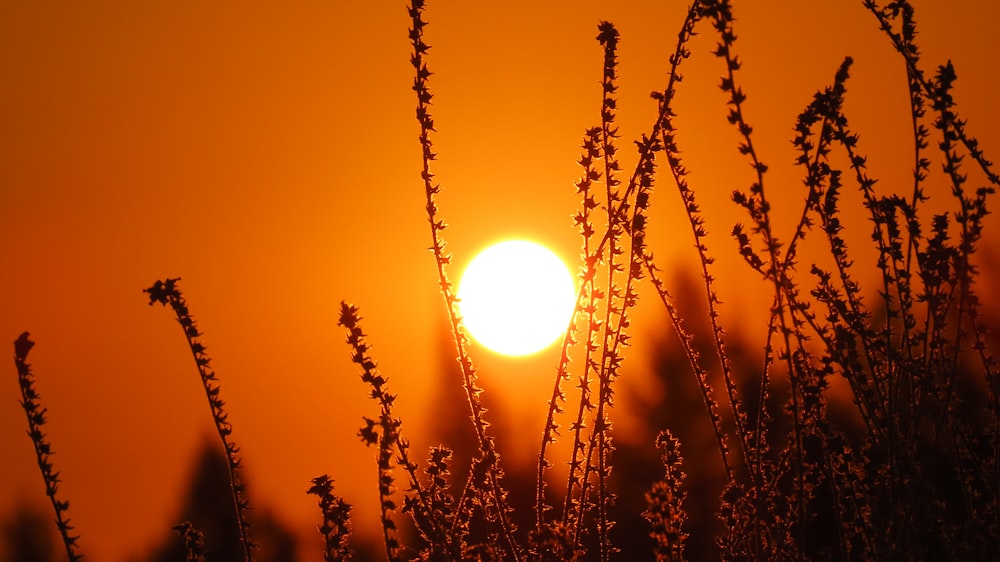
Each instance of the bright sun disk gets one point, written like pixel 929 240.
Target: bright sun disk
pixel 516 297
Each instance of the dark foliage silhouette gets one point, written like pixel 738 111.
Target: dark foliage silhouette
pixel 27 536
pixel 210 523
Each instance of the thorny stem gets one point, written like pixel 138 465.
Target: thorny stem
pixel 166 293
pixel 441 258
pixel 43 450
pixel 598 251
pixel 588 291
pixel 383 432
pixel 610 359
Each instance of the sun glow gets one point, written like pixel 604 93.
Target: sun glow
pixel 516 297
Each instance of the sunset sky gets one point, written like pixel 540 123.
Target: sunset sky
pixel 268 156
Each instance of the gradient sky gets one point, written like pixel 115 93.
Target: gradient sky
pixel 267 155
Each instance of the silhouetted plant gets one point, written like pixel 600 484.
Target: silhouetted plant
pixel 167 293
pixel 383 432
pixel 336 527
pixel 194 541
pixel 43 449
pixel 666 513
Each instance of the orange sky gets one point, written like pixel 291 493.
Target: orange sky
pixel 268 156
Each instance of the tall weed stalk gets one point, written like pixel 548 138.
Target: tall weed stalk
pixel 35 412
pixel 167 293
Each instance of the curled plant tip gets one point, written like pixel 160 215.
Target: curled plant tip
pixel 336 527
pixel 43 450
pixel 22 345
pixel 665 510
pixel 167 293
pixel 163 291
pixel 194 541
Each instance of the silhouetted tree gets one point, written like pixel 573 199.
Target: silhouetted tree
pixel 28 535
pixel 208 505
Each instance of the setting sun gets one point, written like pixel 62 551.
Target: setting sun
pixel 516 297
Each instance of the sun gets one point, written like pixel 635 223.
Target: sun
pixel 516 297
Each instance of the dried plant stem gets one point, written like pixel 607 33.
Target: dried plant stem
pixel 589 295
pixel 489 459
pixel 43 450
pixel 167 293
pixel 666 131
pixel 618 300
pixel 383 432
pixel 691 355
pixel 425 505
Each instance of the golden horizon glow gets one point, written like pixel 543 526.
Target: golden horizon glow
pixel 516 297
